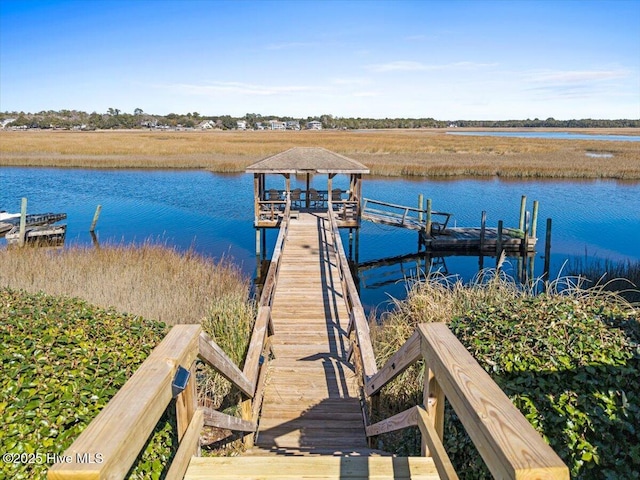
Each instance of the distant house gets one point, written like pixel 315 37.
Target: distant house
pixel 6 122
pixel 277 125
pixel 293 125
pixel 207 125
pixel 314 125
pixel 259 126
pixel 241 125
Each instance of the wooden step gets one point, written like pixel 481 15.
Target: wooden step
pixel 315 467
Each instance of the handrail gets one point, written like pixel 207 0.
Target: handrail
pixel 405 212
pixel 357 318
pixel 509 445
pixel 274 267
pixel 120 431
pixel 122 428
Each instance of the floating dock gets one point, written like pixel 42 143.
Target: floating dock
pixel 436 235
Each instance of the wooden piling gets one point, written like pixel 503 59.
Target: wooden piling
pixel 547 250
pixel 95 219
pixel 427 228
pixel 525 237
pixel 523 206
pixel 499 242
pixel 23 221
pixel 483 228
pixel 420 206
pixel 534 220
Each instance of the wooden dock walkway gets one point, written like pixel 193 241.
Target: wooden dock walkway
pixel 311 402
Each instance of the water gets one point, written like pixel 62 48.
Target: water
pixel 552 135
pixel 213 215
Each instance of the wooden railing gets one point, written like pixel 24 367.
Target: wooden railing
pixel 405 216
pixel 358 328
pixel 110 444
pixel 506 441
pixel 508 444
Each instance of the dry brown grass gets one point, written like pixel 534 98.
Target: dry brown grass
pixel 428 152
pixel 152 281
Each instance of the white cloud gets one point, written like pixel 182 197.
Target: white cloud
pixel 346 81
pixel 577 76
pixel 288 45
pixel 411 66
pixel 236 88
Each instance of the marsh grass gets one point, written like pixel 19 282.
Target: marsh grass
pixel 425 152
pixel 622 277
pixel 152 281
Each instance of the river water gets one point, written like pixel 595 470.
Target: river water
pixel 213 214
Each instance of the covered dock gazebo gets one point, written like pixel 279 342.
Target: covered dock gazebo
pixel 270 203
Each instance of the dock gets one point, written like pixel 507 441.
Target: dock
pixel 309 383
pixel 436 235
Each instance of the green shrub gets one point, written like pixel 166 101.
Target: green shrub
pixel 62 361
pixel 570 363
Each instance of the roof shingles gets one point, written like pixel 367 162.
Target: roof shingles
pixel 307 160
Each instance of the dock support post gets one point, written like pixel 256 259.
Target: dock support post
pixel 351 243
pixel 483 229
pixel 420 206
pixel 23 221
pixel 95 219
pixel 499 244
pixel 547 251
pixel 427 227
pixel 525 238
pixel 523 206
pixel 258 242
pixel 534 220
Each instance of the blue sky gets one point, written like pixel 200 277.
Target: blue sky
pixel 442 59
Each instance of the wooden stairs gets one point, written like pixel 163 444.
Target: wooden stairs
pixel 312 467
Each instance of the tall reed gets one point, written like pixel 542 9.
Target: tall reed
pixel 153 281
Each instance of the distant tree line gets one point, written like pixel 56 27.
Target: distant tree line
pixel 114 118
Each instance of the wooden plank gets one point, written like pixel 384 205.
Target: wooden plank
pixel 433 400
pixel 317 467
pixel 189 446
pixel 406 356
pixel 122 428
pixel 186 404
pixel 214 418
pixel 212 355
pixel 506 441
pixel 251 368
pixel 432 438
pixel 408 418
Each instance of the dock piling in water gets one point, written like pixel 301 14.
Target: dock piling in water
pixel 23 221
pixel 523 206
pixel 547 250
pixel 95 219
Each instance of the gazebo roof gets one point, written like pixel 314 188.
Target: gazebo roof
pixel 307 160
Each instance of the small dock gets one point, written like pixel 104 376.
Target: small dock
pixel 436 235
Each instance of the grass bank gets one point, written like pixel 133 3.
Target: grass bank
pixel 424 152
pixel 570 362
